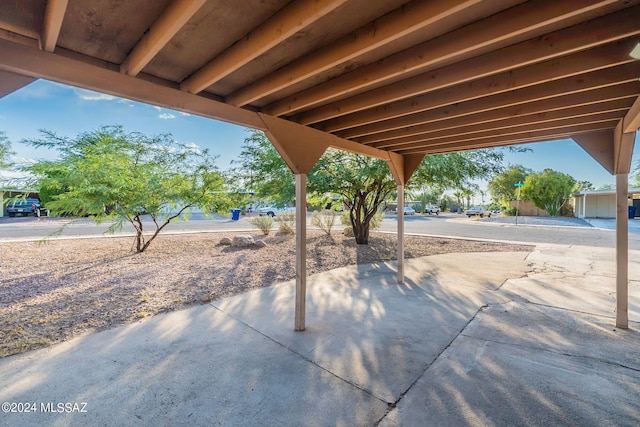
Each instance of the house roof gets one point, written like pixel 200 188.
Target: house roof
pixel 390 76
pixel 631 191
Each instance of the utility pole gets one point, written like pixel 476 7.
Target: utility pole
pixel 519 185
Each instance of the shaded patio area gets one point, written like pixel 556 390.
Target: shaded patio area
pixel 469 339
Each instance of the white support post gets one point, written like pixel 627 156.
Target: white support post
pixel 400 278
pixel 622 251
pixel 301 251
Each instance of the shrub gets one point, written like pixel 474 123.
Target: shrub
pixel 287 222
pixel 263 223
pixel 324 220
pixel 374 224
pixel 510 211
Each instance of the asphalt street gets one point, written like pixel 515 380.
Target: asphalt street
pixel 447 225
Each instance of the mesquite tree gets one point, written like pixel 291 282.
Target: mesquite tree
pixel 111 175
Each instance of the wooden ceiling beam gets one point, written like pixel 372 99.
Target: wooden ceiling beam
pixel 526 137
pixel 173 18
pixel 469 125
pixel 11 82
pixel 397 24
pixel 586 35
pixel 604 84
pixel 514 24
pixel 291 19
pixel 558 124
pixel 52 23
pixel 576 64
pixel 29 61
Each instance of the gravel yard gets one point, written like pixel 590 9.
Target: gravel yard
pixel 65 288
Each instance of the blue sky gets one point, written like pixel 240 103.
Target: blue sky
pixel 69 111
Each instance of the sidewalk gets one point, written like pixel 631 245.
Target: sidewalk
pixel 499 339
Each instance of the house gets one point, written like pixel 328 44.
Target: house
pixel 602 203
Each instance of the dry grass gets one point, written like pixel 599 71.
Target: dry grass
pixel 53 292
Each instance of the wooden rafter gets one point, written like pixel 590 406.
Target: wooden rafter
pixel 520 21
pixel 52 23
pixel 412 17
pixel 579 63
pixel 293 18
pixel 492 99
pixel 522 138
pixel 473 124
pixel 166 26
pixel 529 126
pixel 562 42
pixel 491 110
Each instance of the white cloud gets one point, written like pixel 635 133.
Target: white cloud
pixel 166 116
pixel 185 114
pixel 89 95
pixel 192 147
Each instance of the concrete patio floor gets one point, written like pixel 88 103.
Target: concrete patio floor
pixel 469 339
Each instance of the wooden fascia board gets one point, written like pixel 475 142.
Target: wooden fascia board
pixel 27 61
pixel 530 136
pixel 563 42
pixel 511 23
pixel 52 23
pixel 581 63
pixel 402 21
pixel 11 82
pixel 291 19
pixel 598 145
pixel 173 18
pixel 586 83
pixel 544 120
pixel 631 122
pixel 622 149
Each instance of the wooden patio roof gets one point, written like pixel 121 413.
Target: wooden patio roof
pixel 386 78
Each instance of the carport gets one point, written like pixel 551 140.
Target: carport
pixel 393 79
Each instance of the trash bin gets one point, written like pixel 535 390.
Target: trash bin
pixel 235 214
pixel 632 212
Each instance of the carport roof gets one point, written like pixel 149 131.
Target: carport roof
pixel 389 76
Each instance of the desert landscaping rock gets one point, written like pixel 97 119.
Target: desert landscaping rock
pixel 242 241
pixel 65 288
pixel 225 241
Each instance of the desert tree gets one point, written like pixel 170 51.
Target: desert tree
pixel 363 184
pixel 125 177
pixel 549 190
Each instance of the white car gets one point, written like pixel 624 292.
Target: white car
pixel 479 211
pixel 272 211
pixel 432 209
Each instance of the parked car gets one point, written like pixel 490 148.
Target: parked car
pixel 23 207
pixel 273 211
pixel 432 209
pixel 478 210
pixel 408 210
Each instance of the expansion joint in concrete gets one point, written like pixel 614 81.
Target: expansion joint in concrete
pixel 302 356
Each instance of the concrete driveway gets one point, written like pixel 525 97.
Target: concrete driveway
pixel 480 339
